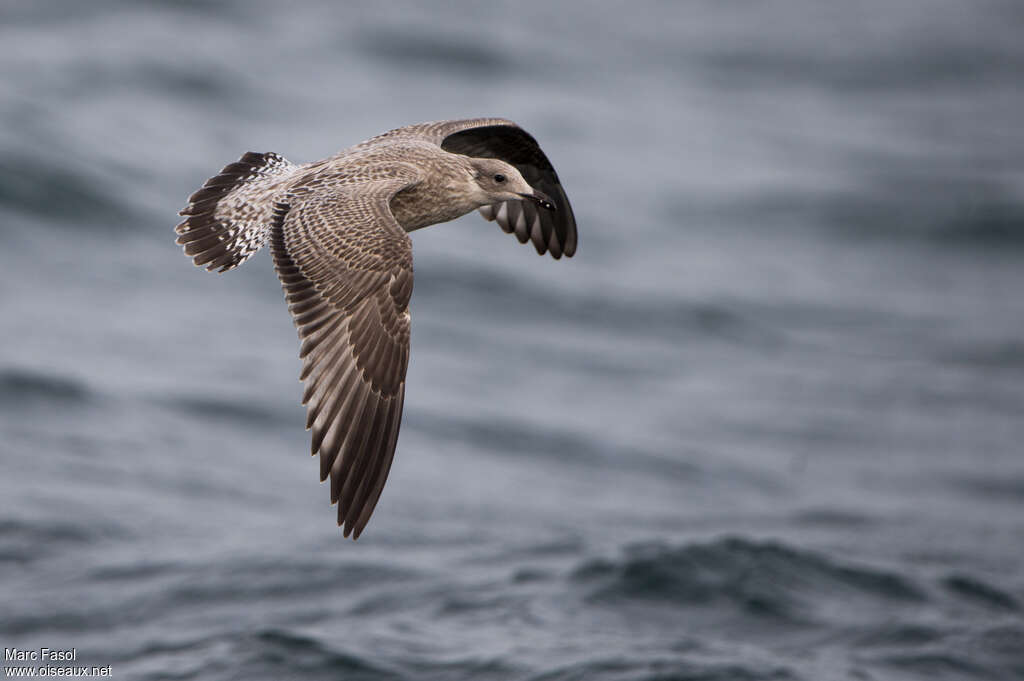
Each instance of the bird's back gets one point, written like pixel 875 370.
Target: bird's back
pixel 229 218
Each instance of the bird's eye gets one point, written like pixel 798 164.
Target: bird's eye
pixel 499 178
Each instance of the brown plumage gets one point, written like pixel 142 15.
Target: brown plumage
pixel 338 234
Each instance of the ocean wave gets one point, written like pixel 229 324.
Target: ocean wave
pixel 516 438
pixel 665 317
pixel 141 571
pixel 1008 487
pixel 988 652
pixel 833 518
pixel 19 386
pixel 281 653
pixel 904 69
pixel 236 410
pixel 262 653
pixel 979 591
pixel 896 634
pixel 997 222
pixel 24 542
pixel 765 578
pixel 1007 354
pixel 509 437
pixel 258 579
pixel 936 664
pixel 879 203
pixel 284 653
pixel 423 51
pixel 61 192
pixel 621 669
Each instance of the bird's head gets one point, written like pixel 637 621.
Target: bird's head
pixel 499 181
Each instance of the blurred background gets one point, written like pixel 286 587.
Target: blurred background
pixel 767 424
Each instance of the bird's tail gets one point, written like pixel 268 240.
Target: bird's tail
pixel 229 218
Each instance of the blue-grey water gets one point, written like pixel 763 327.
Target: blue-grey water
pixel 767 424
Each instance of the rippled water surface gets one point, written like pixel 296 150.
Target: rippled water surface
pixel 767 424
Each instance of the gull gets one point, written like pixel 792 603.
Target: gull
pixel 338 232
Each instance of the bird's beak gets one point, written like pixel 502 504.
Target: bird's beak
pixel 541 199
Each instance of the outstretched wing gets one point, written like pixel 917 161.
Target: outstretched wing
pixel 346 268
pixel 553 231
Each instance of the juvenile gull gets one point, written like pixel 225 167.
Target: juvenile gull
pixel 337 230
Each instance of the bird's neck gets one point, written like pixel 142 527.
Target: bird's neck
pixel 441 197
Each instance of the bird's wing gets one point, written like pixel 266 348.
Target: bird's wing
pixel 346 268
pixel 553 231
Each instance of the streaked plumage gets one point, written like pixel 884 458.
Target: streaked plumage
pixel 338 234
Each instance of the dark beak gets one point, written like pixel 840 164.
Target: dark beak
pixel 541 199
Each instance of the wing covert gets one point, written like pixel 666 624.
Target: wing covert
pixel 346 268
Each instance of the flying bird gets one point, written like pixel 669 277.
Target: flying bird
pixel 338 231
